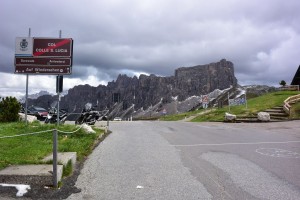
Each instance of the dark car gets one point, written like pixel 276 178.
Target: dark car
pixel 39 112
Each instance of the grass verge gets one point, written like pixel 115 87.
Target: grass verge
pixel 179 116
pixel 31 149
pixel 295 112
pixel 67 170
pixel 254 105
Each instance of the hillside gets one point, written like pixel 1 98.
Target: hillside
pixel 255 105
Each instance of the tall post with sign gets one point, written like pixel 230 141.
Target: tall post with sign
pixel 43 56
pixel 58 90
pixel 26 95
pixel 49 56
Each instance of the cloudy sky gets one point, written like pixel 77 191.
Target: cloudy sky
pixel 111 37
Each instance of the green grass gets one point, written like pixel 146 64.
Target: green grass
pixel 31 149
pixel 214 115
pixel 295 112
pixel 67 170
pixel 178 116
pixel 254 106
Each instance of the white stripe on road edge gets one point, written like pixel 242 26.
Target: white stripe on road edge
pixel 241 143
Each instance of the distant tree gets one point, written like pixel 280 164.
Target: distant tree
pixel 9 109
pixel 282 83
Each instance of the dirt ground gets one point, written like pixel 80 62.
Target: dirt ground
pixel 42 192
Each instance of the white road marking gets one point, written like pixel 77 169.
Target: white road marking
pixel 252 178
pixel 219 127
pixel 279 153
pixel 237 143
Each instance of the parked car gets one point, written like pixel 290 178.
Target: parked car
pixel 117 119
pixel 39 112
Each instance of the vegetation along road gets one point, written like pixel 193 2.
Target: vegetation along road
pixel 182 160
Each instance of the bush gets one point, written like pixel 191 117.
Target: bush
pixel 9 109
pixel 282 83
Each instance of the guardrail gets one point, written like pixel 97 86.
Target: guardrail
pixel 287 103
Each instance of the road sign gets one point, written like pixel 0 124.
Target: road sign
pixel 205 99
pixel 43 70
pixel 43 55
pixel 41 61
pixel 52 47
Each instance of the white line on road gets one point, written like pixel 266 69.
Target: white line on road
pixel 252 178
pixel 279 153
pixel 240 143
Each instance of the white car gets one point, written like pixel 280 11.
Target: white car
pixel 117 119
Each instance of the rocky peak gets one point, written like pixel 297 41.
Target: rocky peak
pixel 150 90
pixel 202 79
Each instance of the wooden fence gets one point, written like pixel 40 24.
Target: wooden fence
pixel 287 103
pixel 290 87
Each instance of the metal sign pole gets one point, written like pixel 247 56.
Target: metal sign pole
pixel 58 85
pixel 228 102
pixel 58 101
pixel 26 96
pixel 246 99
pixel 26 99
pixel 54 151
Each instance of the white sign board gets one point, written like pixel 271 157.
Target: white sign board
pixel 205 99
pixel 237 101
pixel 164 111
pixel 24 46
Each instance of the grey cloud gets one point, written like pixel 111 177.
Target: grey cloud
pixel 112 37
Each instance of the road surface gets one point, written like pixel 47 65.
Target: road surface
pixel 183 160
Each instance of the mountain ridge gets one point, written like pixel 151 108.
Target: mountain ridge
pixel 145 91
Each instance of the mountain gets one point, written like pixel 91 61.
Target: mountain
pixel 132 94
pixel 35 96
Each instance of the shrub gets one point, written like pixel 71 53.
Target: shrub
pixel 282 83
pixel 9 109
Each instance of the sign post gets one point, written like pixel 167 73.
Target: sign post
pixel 27 76
pixel 43 56
pixel 205 101
pixel 49 56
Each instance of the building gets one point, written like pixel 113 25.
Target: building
pixel 296 79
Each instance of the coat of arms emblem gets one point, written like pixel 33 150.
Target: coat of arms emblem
pixel 23 45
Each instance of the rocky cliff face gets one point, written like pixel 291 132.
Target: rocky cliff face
pixel 147 91
pixel 203 79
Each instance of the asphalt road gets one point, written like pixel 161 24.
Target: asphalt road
pixel 182 160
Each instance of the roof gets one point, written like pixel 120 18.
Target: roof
pixel 296 79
